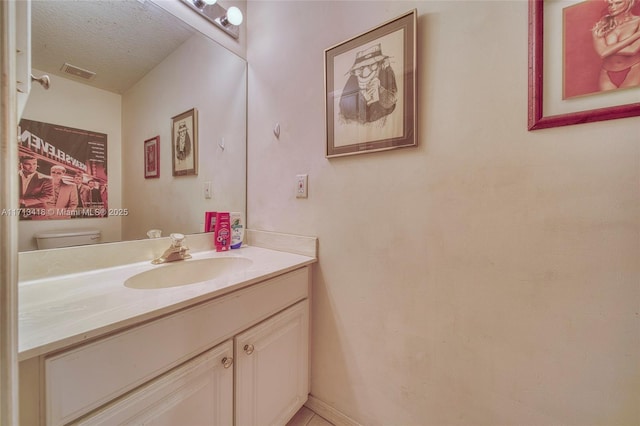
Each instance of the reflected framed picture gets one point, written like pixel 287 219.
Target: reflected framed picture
pixel 370 89
pixel 209 221
pixel 152 158
pixel 584 61
pixel 184 143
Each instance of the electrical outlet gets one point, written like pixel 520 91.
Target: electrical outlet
pixel 206 189
pixel 301 186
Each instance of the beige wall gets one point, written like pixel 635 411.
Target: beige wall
pixel 72 104
pixel 489 276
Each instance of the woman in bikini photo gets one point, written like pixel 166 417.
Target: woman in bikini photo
pixel 616 39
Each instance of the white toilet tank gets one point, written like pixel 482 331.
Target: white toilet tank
pixel 66 238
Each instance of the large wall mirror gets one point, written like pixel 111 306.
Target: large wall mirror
pixel 149 67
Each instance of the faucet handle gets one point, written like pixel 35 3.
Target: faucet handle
pixel 176 239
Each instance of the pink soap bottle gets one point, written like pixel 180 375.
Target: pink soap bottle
pixel 222 232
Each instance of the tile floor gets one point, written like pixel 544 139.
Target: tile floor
pixel 306 417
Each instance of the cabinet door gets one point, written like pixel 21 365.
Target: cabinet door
pixel 199 392
pixel 272 368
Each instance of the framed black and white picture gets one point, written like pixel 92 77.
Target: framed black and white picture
pixel 184 143
pixel 370 89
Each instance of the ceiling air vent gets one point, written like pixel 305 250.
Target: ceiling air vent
pixel 77 71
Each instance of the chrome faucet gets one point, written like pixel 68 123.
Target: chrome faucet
pixel 176 252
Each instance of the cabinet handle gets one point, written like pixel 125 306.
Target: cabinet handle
pixel 227 362
pixel 248 349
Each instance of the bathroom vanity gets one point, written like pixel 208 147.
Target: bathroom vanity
pixel 232 349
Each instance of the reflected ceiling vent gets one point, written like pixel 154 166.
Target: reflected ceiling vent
pixel 77 71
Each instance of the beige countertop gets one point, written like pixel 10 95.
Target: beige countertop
pixel 64 310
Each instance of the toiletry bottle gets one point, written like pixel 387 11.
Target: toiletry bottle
pixel 222 231
pixel 237 229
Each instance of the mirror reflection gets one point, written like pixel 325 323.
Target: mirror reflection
pixel 125 70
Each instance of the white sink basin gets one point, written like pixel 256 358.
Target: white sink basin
pixel 185 272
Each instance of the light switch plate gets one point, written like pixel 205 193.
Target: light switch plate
pixel 301 186
pixel 206 189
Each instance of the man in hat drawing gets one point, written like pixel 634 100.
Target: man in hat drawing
pixel 183 142
pixel 370 92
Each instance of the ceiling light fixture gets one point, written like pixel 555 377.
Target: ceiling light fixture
pixel 227 20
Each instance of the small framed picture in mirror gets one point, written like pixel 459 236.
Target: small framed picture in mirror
pixel 152 158
pixel 184 143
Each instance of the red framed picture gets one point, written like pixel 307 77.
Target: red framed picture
pixel 152 158
pixel 584 63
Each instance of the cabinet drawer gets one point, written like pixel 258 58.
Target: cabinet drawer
pixel 82 379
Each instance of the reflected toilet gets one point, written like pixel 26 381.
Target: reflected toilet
pixel 67 238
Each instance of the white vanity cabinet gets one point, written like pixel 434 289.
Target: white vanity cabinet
pixel 187 367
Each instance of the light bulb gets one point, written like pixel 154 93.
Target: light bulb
pixel 200 4
pixel 234 16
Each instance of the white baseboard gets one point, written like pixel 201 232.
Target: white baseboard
pixel 329 413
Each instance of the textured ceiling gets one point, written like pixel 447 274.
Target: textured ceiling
pixel 119 40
